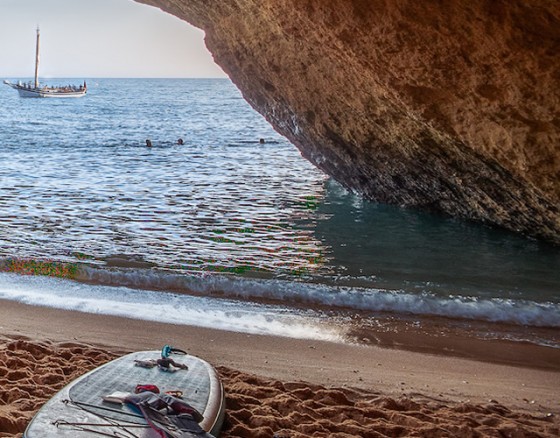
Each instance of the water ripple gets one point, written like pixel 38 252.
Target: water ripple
pixel 80 180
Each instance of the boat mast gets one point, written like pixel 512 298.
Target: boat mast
pixel 37 61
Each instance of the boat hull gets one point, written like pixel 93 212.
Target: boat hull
pixel 46 92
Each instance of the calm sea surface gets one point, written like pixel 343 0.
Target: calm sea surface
pixel 226 232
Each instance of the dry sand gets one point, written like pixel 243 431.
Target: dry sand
pixel 286 387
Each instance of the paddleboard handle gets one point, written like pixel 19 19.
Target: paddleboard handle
pixel 167 350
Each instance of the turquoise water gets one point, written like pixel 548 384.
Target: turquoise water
pixel 227 219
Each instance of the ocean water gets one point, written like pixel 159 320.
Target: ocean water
pixel 227 232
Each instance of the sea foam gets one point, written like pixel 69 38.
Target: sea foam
pixel 170 308
pixel 294 293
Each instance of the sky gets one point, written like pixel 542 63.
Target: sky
pixel 100 38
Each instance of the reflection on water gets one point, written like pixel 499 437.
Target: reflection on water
pixel 389 247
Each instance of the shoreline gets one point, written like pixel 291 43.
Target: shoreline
pixel 390 371
pixel 446 337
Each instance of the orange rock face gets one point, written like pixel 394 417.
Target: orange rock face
pixel 451 106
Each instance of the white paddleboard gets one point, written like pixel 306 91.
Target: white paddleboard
pixel 79 409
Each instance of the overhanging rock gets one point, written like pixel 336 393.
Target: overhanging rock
pixel 449 106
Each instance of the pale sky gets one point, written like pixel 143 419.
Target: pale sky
pixel 100 38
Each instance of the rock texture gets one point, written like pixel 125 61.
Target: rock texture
pixel 452 106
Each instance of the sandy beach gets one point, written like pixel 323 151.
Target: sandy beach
pixel 287 387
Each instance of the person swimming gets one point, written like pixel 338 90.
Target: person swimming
pixel 149 143
pixel 180 141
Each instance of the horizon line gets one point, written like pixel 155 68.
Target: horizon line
pixel 116 77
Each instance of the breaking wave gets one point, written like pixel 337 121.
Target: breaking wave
pixel 171 308
pixel 519 312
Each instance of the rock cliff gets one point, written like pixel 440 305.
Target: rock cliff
pixel 451 106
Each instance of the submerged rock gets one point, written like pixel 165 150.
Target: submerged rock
pixel 448 106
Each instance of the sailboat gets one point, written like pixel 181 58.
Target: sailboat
pixel 30 89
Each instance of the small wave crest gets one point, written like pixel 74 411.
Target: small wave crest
pixel 519 312
pixel 171 308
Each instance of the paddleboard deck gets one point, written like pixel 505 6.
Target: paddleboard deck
pixel 79 409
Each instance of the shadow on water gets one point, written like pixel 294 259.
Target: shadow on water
pixel 374 245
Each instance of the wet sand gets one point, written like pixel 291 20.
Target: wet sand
pixel 287 387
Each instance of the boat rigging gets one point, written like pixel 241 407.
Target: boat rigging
pixel 30 89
